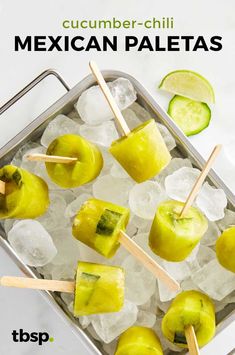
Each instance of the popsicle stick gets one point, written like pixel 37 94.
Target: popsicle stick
pixel 112 103
pixel 148 262
pixel 51 158
pixel 191 340
pixel 38 284
pixel 200 180
pixel 2 187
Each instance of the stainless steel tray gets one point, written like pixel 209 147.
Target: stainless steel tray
pixel 65 105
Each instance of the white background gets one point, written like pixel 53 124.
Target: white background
pixel 27 309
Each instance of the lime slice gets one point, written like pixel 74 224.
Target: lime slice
pixel 188 84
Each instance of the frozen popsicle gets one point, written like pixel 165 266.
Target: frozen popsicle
pixel 189 309
pixel 142 152
pixel 23 194
pixel 173 237
pixel 139 341
pixel 177 227
pixel 225 249
pixel 100 225
pixel 71 161
pixel 97 288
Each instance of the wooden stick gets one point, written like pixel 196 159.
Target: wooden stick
pixel 51 158
pixel 112 103
pixel 191 340
pixel 135 250
pixel 38 284
pixel 200 180
pixel 2 187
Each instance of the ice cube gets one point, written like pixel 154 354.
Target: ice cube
pixel 109 188
pixel 103 134
pixel 144 199
pixel 211 234
pixel 20 157
pixel 8 224
pixel 204 256
pixel 167 136
pixel 67 247
pixel 165 293
pixel 31 165
pixel 227 221
pixel 212 202
pixel 59 126
pixel 179 271
pixel 131 119
pixel 73 208
pixel 108 160
pixel 110 348
pixel 131 229
pixel 193 255
pixel 214 280
pixel 110 325
pixel 179 184
pixel 123 92
pixel 174 165
pixel 63 272
pixel 143 225
pixel 140 111
pixel 84 321
pixel 17 159
pixel 54 217
pixel 93 107
pixel 118 171
pixel 75 116
pixel 40 170
pixel 67 195
pixel 142 240
pixel 145 319
pixel 140 283
pixel 32 243
pixel 88 254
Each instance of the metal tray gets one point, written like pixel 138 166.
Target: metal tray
pixel 64 105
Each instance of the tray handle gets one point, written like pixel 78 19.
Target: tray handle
pixel 31 85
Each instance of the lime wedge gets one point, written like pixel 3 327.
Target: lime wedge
pixel 188 84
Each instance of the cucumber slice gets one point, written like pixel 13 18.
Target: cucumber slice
pixel 191 116
pixel 189 84
pixel 108 222
pixel 87 284
pixel 180 338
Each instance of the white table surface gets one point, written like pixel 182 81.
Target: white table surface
pixel 27 309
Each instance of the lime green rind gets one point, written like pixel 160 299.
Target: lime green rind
pixel 211 96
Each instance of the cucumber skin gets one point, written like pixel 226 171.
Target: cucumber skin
pixel 192 133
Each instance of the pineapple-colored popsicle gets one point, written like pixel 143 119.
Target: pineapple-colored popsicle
pixel 225 249
pixel 143 152
pixel 87 167
pixel 98 225
pixel 98 289
pixel 26 195
pixel 189 308
pixel 173 237
pixel 139 341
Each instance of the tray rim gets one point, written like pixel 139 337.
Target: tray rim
pixel 69 96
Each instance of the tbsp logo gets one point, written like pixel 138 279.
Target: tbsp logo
pixel 34 337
